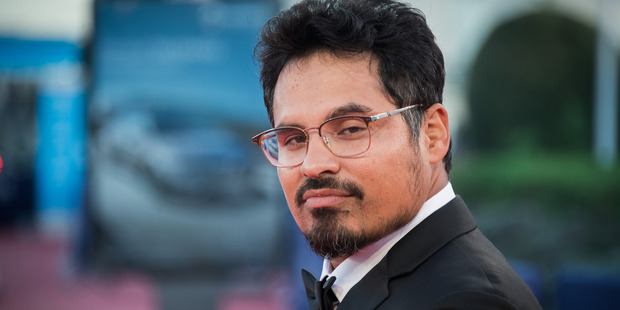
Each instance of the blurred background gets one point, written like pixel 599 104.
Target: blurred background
pixel 130 182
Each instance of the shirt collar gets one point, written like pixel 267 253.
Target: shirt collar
pixel 355 267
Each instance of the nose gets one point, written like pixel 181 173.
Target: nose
pixel 319 159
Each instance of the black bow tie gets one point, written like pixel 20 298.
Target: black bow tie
pixel 319 293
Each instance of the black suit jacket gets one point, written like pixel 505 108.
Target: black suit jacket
pixel 443 263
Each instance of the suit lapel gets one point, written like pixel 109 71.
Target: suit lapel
pixel 445 224
pixel 441 227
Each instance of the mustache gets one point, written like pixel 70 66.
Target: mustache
pixel 328 183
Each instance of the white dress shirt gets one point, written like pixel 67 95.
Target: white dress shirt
pixel 356 266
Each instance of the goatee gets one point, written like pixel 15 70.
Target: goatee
pixel 328 238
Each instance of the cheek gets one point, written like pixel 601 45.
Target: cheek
pixel 289 183
pixel 399 178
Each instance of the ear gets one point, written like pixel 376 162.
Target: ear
pixel 436 132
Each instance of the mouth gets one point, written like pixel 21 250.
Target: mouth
pixel 326 192
pixel 321 198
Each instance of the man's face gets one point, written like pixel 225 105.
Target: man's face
pixel 344 204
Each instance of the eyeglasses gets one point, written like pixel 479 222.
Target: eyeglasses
pixel 344 136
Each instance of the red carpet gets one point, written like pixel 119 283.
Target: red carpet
pixel 35 274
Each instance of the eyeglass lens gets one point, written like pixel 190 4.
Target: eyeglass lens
pixel 346 136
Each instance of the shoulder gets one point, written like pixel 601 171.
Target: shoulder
pixel 466 273
pixel 443 262
pixel 473 300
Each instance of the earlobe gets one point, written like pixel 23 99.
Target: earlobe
pixel 437 131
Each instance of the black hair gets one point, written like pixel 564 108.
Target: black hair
pixel 411 65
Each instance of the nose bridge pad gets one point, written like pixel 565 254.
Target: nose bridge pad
pixel 326 140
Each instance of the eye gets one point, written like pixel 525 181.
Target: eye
pixel 294 140
pixel 291 139
pixel 352 130
pixel 347 128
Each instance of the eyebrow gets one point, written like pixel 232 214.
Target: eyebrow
pixel 347 109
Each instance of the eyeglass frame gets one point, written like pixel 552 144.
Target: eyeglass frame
pixel 367 119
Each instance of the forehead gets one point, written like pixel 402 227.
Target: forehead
pixel 323 85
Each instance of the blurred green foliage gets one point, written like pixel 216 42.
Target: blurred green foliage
pixel 559 181
pixel 530 130
pixel 524 162
pixel 531 85
pixel 555 209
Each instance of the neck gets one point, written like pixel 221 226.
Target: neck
pixel 439 180
pixel 335 262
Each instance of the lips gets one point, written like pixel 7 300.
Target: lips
pixel 326 192
pixel 320 198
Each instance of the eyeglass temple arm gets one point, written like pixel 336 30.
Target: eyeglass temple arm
pixel 390 113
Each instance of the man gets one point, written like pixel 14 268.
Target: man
pixel 361 143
